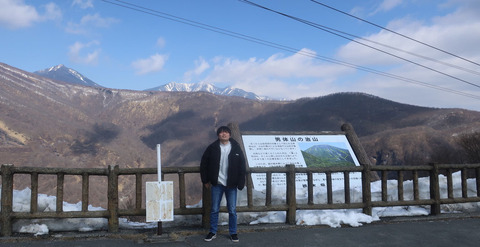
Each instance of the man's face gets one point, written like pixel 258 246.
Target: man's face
pixel 224 136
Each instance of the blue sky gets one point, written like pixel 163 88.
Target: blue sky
pixel 122 48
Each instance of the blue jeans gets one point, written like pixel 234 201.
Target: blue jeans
pixel 231 196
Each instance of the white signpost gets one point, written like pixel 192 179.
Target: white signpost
pixel 159 197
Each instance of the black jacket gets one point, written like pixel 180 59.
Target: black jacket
pixel 210 165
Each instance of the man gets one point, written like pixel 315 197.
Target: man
pixel 223 170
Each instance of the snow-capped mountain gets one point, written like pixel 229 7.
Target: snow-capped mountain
pixel 63 73
pixel 206 87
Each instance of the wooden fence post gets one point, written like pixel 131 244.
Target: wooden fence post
pixel 291 195
pixel 138 191
pixel 7 199
pixel 477 176
pixel 181 188
pixel 434 190
pixel 113 224
pixel 34 192
pixel 60 187
pixel 85 189
pixel 366 190
pixel 358 148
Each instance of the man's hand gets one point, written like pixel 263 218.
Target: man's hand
pixel 207 185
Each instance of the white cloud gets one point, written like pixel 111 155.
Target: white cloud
pixel 149 65
pixel 97 21
pixel 444 33
pixel 161 42
pixel 16 14
pixel 387 5
pixel 78 54
pixel 454 32
pixel 84 4
pixel 89 21
pixel 52 12
pixel 201 65
pixel 278 76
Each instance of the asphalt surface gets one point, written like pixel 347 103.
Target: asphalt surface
pixel 457 230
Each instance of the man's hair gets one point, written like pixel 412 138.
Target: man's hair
pixel 223 129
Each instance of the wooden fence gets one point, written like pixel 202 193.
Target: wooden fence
pixel 113 213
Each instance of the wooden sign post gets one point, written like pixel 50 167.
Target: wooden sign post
pixel 159 198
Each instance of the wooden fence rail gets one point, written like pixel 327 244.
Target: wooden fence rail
pixel 113 213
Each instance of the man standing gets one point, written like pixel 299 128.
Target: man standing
pixel 223 170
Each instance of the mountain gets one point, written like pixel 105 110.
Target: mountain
pixel 62 73
pixel 369 114
pixel 206 87
pixel 48 122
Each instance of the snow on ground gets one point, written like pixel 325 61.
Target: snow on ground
pixel 332 218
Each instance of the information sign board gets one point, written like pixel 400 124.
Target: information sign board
pixel 159 201
pixel 301 151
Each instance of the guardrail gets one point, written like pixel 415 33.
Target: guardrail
pixel 113 213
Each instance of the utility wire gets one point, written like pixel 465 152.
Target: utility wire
pixel 197 24
pixel 321 27
pixel 404 51
pixel 402 35
pixel 421 56
pixel 302 52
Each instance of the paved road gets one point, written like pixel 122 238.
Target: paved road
pixel 427 232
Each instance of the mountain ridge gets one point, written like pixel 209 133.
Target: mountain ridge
pixel 206 87
pixel 62 73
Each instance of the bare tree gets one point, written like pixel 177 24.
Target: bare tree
pixel 471 145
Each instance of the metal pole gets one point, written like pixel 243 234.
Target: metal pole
pixel 159 163
pixel 159 172
pixel 159 228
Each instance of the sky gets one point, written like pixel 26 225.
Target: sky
pixel 410 51
pixel 332 218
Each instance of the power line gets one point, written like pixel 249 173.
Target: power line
pixel 421 56
pixel 402 35
pixel 329 30
pixel 401 50
pixel 159 14
pixel 197 24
